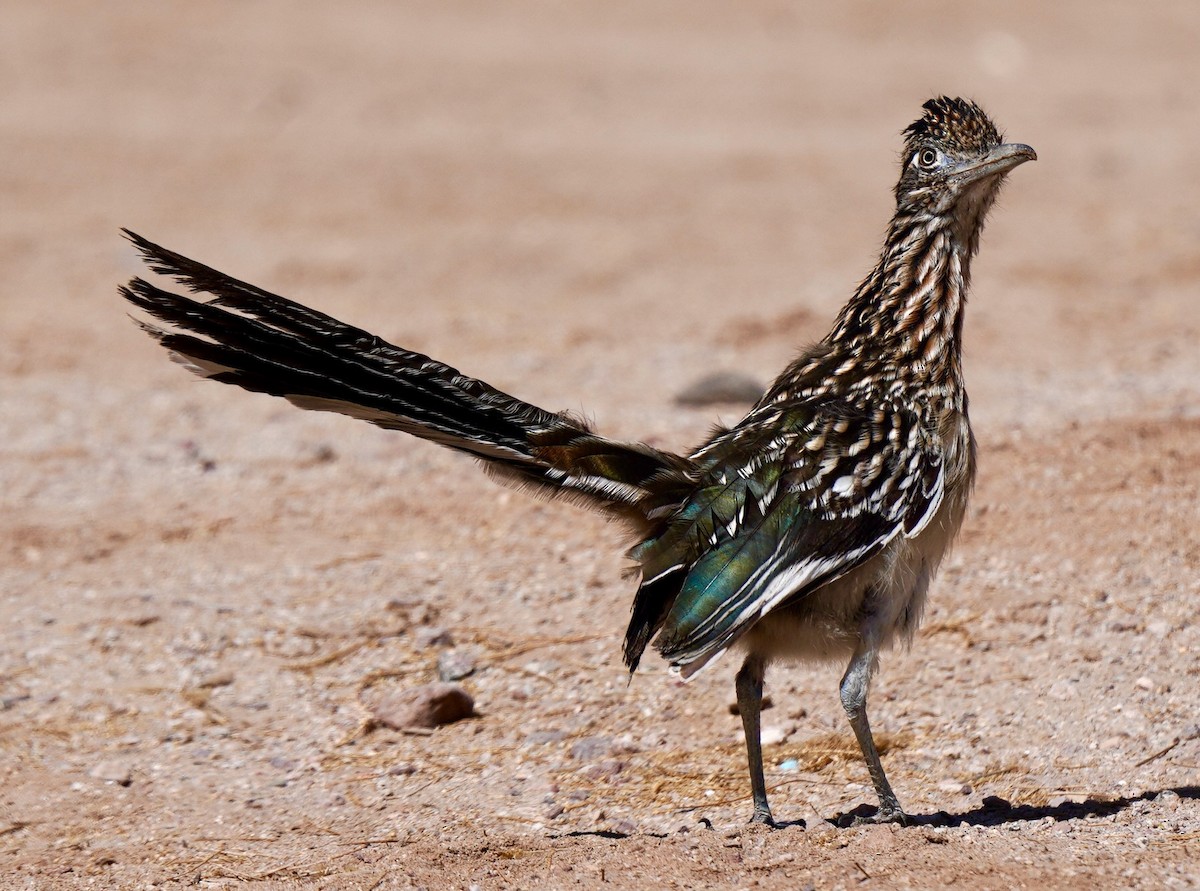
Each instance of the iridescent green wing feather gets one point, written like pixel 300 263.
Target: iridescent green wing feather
pixel 792 519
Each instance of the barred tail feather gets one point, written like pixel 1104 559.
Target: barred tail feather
pixel 265 343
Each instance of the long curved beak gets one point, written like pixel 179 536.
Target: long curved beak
pixel 1001 159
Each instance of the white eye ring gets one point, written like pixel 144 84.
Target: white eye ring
pixel 927 158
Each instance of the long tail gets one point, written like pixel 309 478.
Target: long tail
pixel 247 336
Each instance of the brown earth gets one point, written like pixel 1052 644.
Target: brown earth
pixel 591 205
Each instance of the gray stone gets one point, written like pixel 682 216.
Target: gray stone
pixel 591 747
pixel 454 665
pixel 722 387
pixel 112 771
pixel 433 636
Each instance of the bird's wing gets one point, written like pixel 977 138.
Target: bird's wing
pixel 831 494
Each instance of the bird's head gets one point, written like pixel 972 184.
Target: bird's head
pixel 954 160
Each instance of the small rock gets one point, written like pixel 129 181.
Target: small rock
pixel 591 747
pixel 721 387
pixel 112 772
pixel 773 735
pixel 1063 800
pixel 217 679
pixel 426 638
pixel 454 665
pixel 554 811
pixel 8 702
pixel 429 705
pixel 1144 683
pixel 766 704
pixel 414 612
pixel 604 770
pixel 403 769
pixel 324 453
pixel 542 737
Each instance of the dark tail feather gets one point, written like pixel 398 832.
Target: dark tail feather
pixel 650 607
pixel 268 344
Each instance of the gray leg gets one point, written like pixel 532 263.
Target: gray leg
pixel 749 697
pixel 855 683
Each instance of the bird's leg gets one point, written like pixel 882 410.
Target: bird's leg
pixel 855 684
pixel 749 697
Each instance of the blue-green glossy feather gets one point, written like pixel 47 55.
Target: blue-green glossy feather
pixel 720 574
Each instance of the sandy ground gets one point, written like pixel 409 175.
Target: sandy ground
pixel 591 205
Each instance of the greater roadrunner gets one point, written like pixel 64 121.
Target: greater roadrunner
pixel 809 530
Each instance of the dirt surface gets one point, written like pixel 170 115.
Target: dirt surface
pixel 591 205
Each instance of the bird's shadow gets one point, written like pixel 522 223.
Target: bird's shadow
pixel 992 811
pixel 995 811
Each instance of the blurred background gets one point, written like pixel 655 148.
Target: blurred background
pixel 682 178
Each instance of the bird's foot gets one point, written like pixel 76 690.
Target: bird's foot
pixel 891 815
pixel 864 816
pixel 762 817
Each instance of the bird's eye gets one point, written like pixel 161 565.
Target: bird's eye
pixel 928 158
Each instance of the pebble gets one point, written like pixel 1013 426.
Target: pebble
pixel 429 705
pixel 1144 683
pixel 454 665
pixel 773 735
pixel 116 772
pixel 955 787
pixel 721 387
pixel 604 770
pixel 217 679
pixel 1063 800
pixel 591 747
pixel 766 704
pixel 426 638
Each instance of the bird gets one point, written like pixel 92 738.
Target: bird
pixel 809 530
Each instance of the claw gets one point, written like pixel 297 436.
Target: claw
pixel 880 816
pixel 763 818
pixel 863 816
